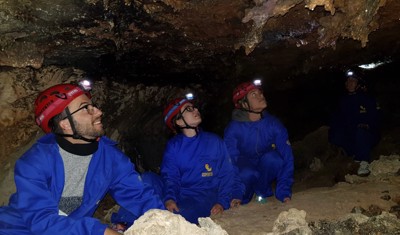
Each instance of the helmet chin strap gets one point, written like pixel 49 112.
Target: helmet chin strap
pixel 75 134
pixel 249 110
pixel 187 126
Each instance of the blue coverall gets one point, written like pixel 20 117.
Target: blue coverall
pixel 39 179
pixel 355 126
pixel 197 173
pixel 262 153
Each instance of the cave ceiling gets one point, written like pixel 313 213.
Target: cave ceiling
pixel 208 38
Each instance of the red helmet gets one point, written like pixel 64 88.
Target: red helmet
pixel 243 89
pixel 173 108
pixel 53 101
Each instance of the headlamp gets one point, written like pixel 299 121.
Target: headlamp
pixel 86 85
pixel 189 96
pixel 349 73
pixel 257 82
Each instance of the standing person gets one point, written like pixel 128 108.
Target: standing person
pixel 196 169
pixel 259 146
pixel 62 178
pixel 355 125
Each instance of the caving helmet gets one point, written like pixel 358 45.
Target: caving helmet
pixel 355 75
pixel 352 74
pixel 243 89
pixel 174 108
pixel 55 99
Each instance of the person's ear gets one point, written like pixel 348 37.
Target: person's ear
pixel 65 125
pixel 244 104
pixel 179 122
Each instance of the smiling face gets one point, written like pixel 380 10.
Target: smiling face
pixel 255 101
pixel 190 115
pixel 86 119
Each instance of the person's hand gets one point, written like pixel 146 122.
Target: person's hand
pixel 235 203
pixel 286 200
pixel 109 231
pixel 119 227
pixel 217 209
pixel 171 206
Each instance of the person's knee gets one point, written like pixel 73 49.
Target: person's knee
pixel 192 209
pixel 248 175
pixel 270 160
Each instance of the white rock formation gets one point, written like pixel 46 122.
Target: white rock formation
pixel 293 221
pixel 163 222
pixel 386 165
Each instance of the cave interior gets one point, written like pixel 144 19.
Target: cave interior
pixel 140 54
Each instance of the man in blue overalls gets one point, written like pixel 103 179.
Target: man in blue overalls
pixel 62 178
pixel 259 146
pixel 355 125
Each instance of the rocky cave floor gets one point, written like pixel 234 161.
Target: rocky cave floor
pixel 327 193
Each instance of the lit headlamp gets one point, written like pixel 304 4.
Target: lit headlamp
pixel 349 73
pixel 189 96
pixel 86 85
pixel 257 82
pixel 173 108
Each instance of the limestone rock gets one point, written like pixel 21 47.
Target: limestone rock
pixel 386 165
pixel 293 221
pixel 159 222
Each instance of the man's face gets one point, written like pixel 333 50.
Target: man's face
pixel 191 115
pixel 87 120
pixel 351 84
pixel 256 100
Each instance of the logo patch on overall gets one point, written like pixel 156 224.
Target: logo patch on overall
pixel 209 171
pixel 362 109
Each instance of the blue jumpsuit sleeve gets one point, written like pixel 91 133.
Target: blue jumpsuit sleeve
pixel 283 146
pixel 170 173
pixel 128 189
pixel 230 139
pixel 36 202
pixel 225 177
